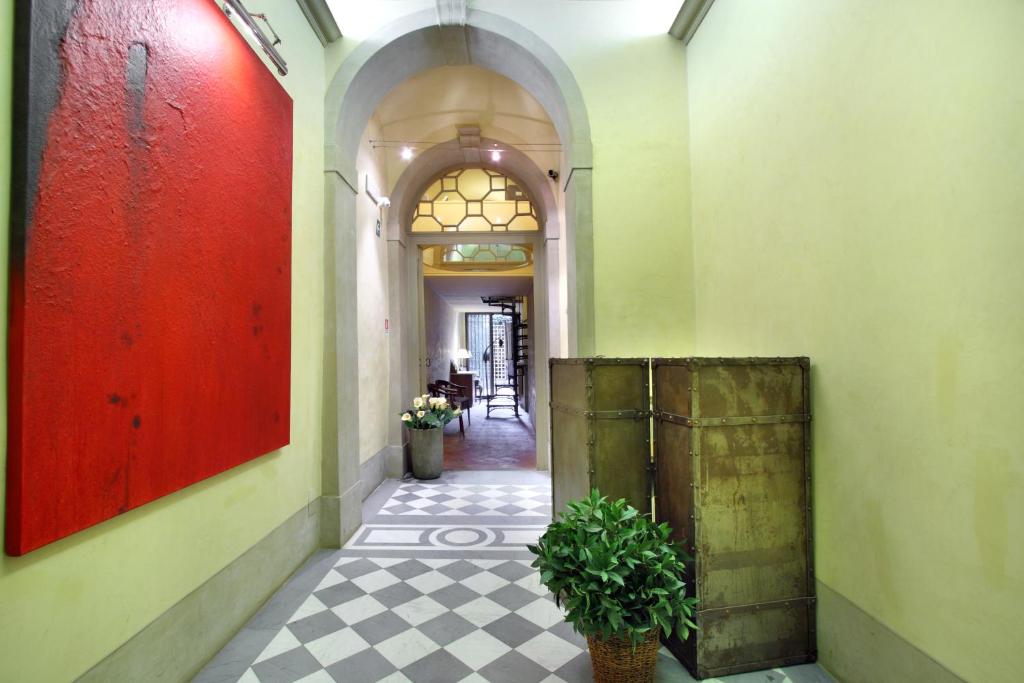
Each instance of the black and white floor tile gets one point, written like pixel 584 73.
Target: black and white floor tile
pixel 531 501
pixel 430 597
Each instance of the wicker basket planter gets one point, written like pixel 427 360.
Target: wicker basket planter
pixel 615 661
pixel 620 582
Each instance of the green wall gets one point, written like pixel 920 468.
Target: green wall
pixel 66 606
pixel 633 78
pixel 858 185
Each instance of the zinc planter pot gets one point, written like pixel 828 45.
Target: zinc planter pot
pixel 427 449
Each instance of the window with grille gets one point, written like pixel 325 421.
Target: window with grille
pixel 475 200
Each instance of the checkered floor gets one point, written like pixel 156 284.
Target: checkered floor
pixel 407 619
pixel 450 601
pixel 449 500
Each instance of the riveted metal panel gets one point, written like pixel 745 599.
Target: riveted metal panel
pixel 600 430
pixel 742 507
pixel 753 637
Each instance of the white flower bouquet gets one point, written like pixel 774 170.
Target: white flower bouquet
pixel 429 412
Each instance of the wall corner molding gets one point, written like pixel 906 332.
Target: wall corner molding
pixel 320 19
pixel 688 20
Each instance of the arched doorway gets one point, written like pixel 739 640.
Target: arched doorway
pixel 526 216
pixel 402 49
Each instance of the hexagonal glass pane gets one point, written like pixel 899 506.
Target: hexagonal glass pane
pixel 450 213
pixel 474 183
pixel 499 212
pixel 448 198
pixel 475 224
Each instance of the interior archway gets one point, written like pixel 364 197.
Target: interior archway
pixel 404 280
pixel 402 49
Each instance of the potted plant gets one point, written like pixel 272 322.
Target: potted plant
pixel 425 423
pixel 620 580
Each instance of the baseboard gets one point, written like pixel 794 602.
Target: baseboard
pixel 176 645
pixel 396 461
pixel 855 647
pixel 372 472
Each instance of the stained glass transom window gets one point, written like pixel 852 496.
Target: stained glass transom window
pixel 478 257
pixel 474 200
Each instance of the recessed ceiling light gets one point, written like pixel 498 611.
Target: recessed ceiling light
pixel 407 153
pixel 495 155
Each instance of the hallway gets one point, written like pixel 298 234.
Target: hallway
pixel 774 247
pixel 435 587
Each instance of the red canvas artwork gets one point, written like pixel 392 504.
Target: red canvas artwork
pixel 150 275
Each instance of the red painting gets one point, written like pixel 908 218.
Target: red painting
pixel 150 274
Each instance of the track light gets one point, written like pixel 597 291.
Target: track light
pixel 249 19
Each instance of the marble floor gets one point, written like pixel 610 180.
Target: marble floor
pixel 435 587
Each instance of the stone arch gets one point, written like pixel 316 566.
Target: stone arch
pixel 416 43
pixel 396 52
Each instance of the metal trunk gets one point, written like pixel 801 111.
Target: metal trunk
pixel 731 476
pixel 600 434
pixel 427 449
pixel 732 446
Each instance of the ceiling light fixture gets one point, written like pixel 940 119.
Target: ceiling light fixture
pixel 495 155
pixel 406 153
pixel 413 145
pixel 249 19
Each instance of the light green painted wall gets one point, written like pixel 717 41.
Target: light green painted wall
pixel 858 169
pixel 85 595
pixel 633 79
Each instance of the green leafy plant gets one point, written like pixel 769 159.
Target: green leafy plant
pixel 429 412
pixel 615 571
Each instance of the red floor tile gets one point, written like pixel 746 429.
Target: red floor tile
pixel 501 442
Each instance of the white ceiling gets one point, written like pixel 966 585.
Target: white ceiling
pixel 429 107
pixel 463 292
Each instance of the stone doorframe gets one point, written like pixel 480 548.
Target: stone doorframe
pixel 392 55
pixel 405 276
